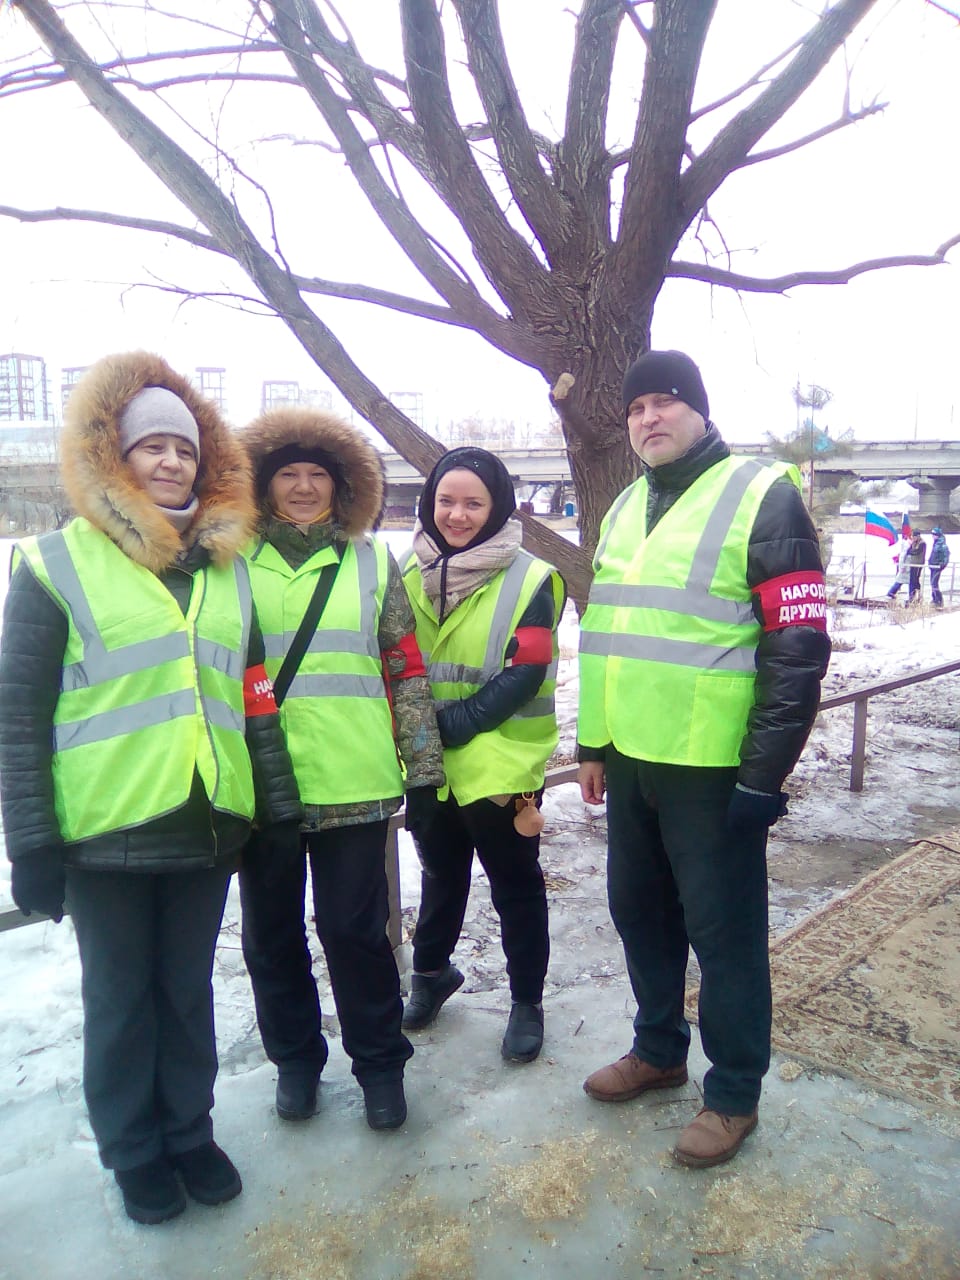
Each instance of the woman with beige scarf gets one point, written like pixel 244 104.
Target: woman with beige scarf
pixel 487 614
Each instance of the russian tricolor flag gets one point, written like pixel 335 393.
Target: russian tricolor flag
pixel 880 526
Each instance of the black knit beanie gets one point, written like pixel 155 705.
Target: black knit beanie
pixel 494 475
pixel 671 373
pixel 295 452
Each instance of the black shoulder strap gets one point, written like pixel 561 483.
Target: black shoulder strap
pixel 308 624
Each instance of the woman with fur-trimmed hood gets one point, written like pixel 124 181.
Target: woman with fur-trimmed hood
pixel 138 733
pixel 361 728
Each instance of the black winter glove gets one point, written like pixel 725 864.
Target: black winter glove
pixel 278 849
pixel 751 810
pixel 420 809
pixel 38 883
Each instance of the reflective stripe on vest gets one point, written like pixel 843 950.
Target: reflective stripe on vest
pixel 336 713
pixel 98 664
pixel 135 716
pixel 470 648
pixel 668 640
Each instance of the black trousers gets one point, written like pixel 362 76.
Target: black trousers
pixel 149 1049
pixel 347 867
pixel 935 591
pixel 511 861
pixel 677 877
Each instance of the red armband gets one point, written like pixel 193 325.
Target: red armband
pixel 794 600
pixel 534 646
pixel 258 693
pixel 408 652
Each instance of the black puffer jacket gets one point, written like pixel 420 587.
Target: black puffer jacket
pixel 35 635
pixel 792 661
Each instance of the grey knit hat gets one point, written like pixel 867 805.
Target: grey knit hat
pixel 155 411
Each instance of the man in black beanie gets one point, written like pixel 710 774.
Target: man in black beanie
pixel 702 650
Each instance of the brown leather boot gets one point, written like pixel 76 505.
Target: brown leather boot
pixel 712 1139
pixel 631 1076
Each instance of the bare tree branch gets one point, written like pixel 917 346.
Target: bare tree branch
pixel 630 8
pixel 780 284
pixel 943 9
pixel 192 186
pixel 505 260
pixel 61 214
pixel 737 139
pixel 360 81
pixel 457 291
pixel 37 77
pixel 203 77
pixel 758 77
pixel 584 171
pixel 850 117
pixel 547 215
pixel 308 284
pixel 649 223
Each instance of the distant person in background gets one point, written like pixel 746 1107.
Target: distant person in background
pixel 910 568
pixel 939 559
pixel 916 558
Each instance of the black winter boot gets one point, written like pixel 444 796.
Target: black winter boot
pixel 524 1035
pixel 427 995
pixel 296 1095
pixel 208 1174
pixel 385 1103
pixel 151 1192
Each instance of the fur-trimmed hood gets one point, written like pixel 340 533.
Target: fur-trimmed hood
pixel 358 501
pixel 101 486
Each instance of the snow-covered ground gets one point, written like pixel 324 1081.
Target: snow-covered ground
pixel 829 838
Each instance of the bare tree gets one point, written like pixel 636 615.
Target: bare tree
pixel 568 240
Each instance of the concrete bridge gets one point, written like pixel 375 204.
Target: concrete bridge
pixel 931 466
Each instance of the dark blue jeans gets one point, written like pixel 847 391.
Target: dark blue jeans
pixel 676 878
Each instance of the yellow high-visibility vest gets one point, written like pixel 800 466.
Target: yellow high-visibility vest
pixel 668 640
pixel 336 713
pixel 465 651
pixel 148 695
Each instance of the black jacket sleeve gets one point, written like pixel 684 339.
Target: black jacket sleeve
pixel 275 784
pixel 504 694
pixel 31 660
pixel 791 661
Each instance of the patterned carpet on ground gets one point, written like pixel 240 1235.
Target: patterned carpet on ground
pixel 869 986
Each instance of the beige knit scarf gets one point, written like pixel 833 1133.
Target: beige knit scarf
pixel 466 571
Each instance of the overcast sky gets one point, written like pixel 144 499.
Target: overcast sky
pixel 885 345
